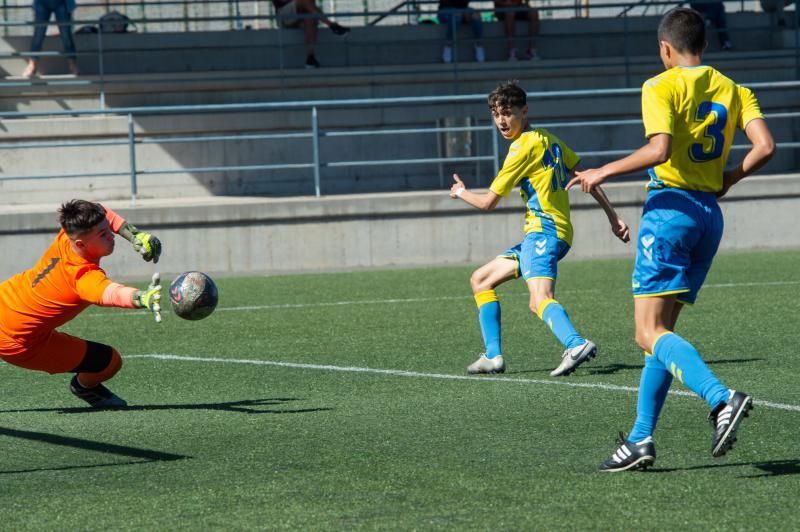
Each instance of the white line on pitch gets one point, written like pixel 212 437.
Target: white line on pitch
pixel 419 299
pixel 402 373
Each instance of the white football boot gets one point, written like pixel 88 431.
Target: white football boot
pixel 487 365
pixel 572 358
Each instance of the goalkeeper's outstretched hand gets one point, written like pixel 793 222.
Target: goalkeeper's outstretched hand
pixel 151 297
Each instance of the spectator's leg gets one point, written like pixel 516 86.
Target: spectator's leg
pixel 476 23
pixel 477 30
pixel 533 31
pixel 509 20
pixel 64 19
pixel 310 33
pixel 448 19
pixel 41 14
pixel 310 7
pixel 722 26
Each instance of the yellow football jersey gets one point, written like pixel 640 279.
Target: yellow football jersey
pixel 539 162
pixel 701 109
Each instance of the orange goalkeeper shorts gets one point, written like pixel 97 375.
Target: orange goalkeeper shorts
pixel 57 353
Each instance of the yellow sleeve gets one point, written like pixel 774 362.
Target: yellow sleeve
pixel 658 114
pixel 90 285
pixel 512 171
pixel 750 107
pixel 571 159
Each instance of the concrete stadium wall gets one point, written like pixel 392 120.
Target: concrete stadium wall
pixel 256 235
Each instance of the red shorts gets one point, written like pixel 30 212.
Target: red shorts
pixel 57 353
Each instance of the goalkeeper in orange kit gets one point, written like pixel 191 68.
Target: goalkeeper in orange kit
pixel 66 280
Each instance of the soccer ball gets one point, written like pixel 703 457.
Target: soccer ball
pixel 193 295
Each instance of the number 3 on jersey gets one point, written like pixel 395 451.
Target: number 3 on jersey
pixel 713 132
pixel 552 159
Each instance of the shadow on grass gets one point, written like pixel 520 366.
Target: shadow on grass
pixel 610 369
pixel 143 455
pixel 772 468
pixel 250 406
pixel 607 369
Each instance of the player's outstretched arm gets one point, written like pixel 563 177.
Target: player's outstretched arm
pixel 657 151
pixel 618 225
pixel 484 202
pixel 762 151
pixel 143 242
pixel 118 295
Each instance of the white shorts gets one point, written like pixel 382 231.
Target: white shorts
pixel 288 15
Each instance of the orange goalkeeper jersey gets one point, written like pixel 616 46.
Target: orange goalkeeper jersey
pixel 58 288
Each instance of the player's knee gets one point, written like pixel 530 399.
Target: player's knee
pixel 477 282
pixel 100 358
pixel 115 364
pixel 537 298
pixel 644 339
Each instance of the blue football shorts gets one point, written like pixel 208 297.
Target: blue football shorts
pixel 678 237
pixel 537 255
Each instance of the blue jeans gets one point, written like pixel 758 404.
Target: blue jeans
pixel 42 10
pixel 715 13
pixel 451 16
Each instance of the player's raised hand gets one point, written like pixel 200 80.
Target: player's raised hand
pixel 150 298
pixel 621 230
pixel 147 245
pixel 588 179
pixel 458 187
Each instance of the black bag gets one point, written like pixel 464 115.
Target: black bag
pixel 115 22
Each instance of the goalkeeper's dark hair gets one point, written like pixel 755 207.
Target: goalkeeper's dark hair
pixel 508 94
pixel 79 216
pixel 684 29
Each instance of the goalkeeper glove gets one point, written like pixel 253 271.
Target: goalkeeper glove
pixel 144 243
pixel 150 298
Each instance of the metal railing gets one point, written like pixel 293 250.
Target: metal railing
pixel 317 136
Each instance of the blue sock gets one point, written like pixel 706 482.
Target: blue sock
pixel 489 318
pixel 554 315
pixel 653 388
pixel 684 362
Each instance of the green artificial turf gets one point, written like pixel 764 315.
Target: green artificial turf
pixel 322 442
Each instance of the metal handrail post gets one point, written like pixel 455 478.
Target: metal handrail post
pixel 495 151
pixel 625 29
pixel 100 69
pixel 132 157
pixel 796 40
pixel 315 148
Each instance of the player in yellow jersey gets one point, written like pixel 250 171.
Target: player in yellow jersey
pixel 540 164
pixel 65 281
pixel 690 114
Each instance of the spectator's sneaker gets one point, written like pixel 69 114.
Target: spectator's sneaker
pixel 72 66
pixel 725 420
pixel 572 358
pixel 311 62
pixel 487 365
pixel 447 54
pixel 338 29
pixel 480 53
pixel 97 397
pixel 30 70
pixel 630 456
pixel 512 54
pixel 727 46
pixel 532 55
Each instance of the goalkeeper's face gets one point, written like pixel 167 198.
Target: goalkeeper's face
pixel 97 242
pixel 510 121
